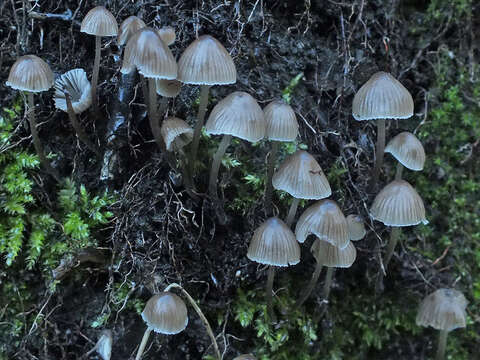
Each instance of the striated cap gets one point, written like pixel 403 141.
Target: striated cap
pixel 128 27
pixel 245 357
pixel 302 177
pixel 168 88
pixel 239 115
pixel 147 52
pixel 30 73
pixel 76 84
pixel 273 243
pixel 325 220
pixel 408 150
pixel 398 204
pixel 332 256
pixel 165 313
pixel 104 344
pixel 100 22
pixel 206 62
pixel 382 97
pixel 176 133
pixel 167 34
pixel 443 309
pixel 356 227
pixel 281 121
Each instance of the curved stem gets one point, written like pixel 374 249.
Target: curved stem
pixel 292 211
pixel 442 344
pixel 217 160
pixel 328 283
pixel 380 150
pixel 269 293
pixel 153 115
pixel 311 285
pixel 36 139
pixel 268 185
pixel 143 343
pixel 398 173
pixel 78 127
pixel 200 314
pixel 394 236
pixel 96 68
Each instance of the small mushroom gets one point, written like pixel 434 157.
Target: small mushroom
pixel 356 227
pixel 176 133
pixel 128 27
pixel 409 152
pixel 167 34
pixel 103 346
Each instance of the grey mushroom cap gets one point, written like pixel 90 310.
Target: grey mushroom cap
pixel 408 150
pixel 30 73
pixel 176 133
pixel 100 22
pixel 332 256
pixel 281 121
pixel 104 345
pixel 77 86
pixel 128 27
pixel 166 313
pixel 356 227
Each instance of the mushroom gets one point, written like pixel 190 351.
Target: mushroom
pixel 166 89
pixel 167 34
pixel 128 27
pixel 204 62
pixel 176 133
pixel 301 176
pixel 443 310
pixel 409 152
pixel 281 125
pixel 381 97
pixel 164 313
pixel 356 227
pixel 273 244
pixel 73 95
pixel 236 115
pixel 33 75
pixel 103 345
pixel 99 22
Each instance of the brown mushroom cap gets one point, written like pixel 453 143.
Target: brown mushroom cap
pixel 165 313
pixel 302 177
pixel 206 62
pixel 176 133
pixel 100 22
pixel 281 121
pixel 167 34
pixel 356 227
pixel 332 256
pixel 398 204
pixel 408 150
pixel 128 27
pixel 443 309
pixel 382 97
pixel 148 53
pixel 168 88
pixel 239 115
pixel 325 220
pixel 273 243
pixel 76 84
pixel 30 73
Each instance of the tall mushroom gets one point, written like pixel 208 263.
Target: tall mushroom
pixel 381 97
pixel 33 75
pixel 409 152
pixel 98 22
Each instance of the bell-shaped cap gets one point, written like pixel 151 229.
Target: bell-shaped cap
pixel 331 256
pixel 356 227
pixel 100 22
pixel 30 73
pixel 273 243
pixel 128 27
pixel 165 313
pixel 239 115
pixel 301 176
pixel 408 150
pixel 77 86
pixel 382 97
pixel 104 345
pixel 176 133
pixel 168 88
pixel 148 53
pixel 167 34
pixel 398 204
pixel 281 121
pixel 325 220
pixel 443 309
pixel 206 62
pixel 245 357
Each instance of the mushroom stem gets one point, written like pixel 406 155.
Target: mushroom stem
pixel 202 109
pixel 399 171
pixel 153 114
pixel 311 285
pixel 217 160
pixel 146 93
pixel 145 337
pixel 96 69
pixel 200 314
pixel 328 283
pixel 268 185
pixel 394 236
pixel 292 211
pixel 380 150
pixel 269 293
pixel 78 128
pixel 442 344
pixel 36 139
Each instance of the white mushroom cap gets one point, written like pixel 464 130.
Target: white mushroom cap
pixel 332 256
pixel 408 150
pixel 166 313
pixel 76 84
pixel 100 22
pixel 30 73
